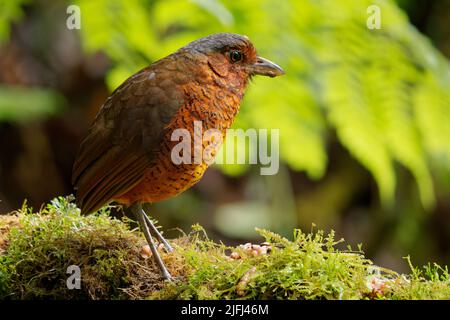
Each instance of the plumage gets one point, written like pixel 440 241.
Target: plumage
pixel 126 155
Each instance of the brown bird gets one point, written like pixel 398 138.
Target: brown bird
pixel 126 156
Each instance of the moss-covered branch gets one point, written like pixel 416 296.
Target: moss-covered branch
pixel 37 248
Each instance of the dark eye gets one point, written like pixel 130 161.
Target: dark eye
pixel 235 56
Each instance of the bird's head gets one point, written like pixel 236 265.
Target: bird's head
pixel 230 55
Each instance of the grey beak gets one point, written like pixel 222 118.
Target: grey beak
pixel 266 67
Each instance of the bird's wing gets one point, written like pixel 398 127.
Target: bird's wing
pixel 122 141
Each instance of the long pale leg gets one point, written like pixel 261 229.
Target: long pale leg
pixel 140 215
pixel 156 231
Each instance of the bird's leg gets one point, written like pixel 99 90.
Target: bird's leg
pixel 140 215
pixel 156 231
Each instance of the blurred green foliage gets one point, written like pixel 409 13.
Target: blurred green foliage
pixel 9 11
pixel 19 104
pixel 384 93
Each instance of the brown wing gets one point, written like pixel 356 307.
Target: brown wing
pixel 124 137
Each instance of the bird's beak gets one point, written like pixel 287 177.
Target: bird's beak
pixel 266 67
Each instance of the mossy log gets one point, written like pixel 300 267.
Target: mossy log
pixel 37 250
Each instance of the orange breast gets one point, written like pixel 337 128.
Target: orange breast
pixel 165 179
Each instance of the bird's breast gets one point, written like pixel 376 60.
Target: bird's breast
pixel 189 145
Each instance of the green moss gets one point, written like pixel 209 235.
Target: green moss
pixel 44 244
pixel 37 248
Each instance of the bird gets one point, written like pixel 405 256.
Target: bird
pixel 126 155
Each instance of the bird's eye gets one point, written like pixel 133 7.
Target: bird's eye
pixel 235 56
